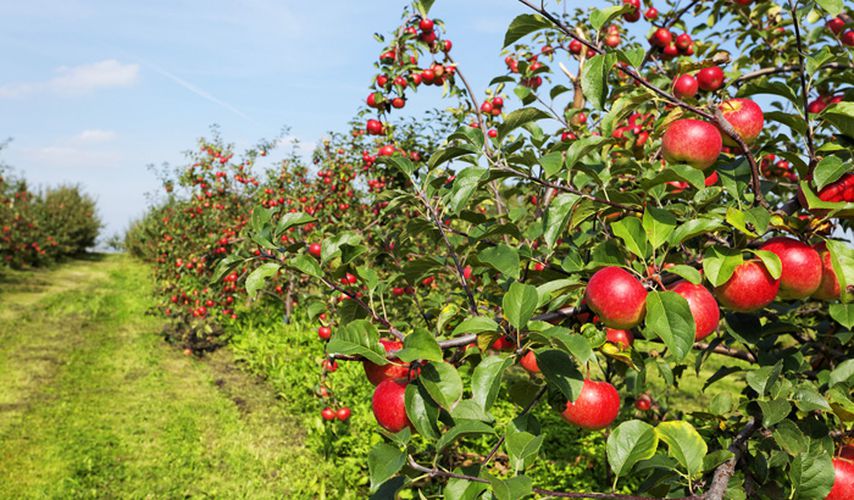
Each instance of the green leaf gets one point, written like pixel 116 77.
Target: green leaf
pixel 466 183
pixel 693 228
pixel 421 410
pixel 449 153
pixel 842 260
pixel 359 338
pixel 514 488
pixel 463 489
pixel 738 219
pixel 771 261
pixel 807 398
pixel 790 439
pixel 630 230
pixel 519 117
pixel 628 444
pixel 577 345
pixel 659 225
pixel 290 220
pixel 469 409
pixel 524 25
pixel 600 17
pixel 503 258
pixel 843 372
pixel 774 411
pixel 687 272
pixel 684 444
pixel 257 278
pixel 384 461
pixel 841 115
pixel 519 304
pixel 832 7
pixel 557 217
pixel 678 172
pixel 632 56
pixel 486 380
pixel 442 382
pixel 306 265
pixel 424 6
pixel 559 370
pixel 812 473
pixel 669 318
pixel 402 163
pixel 552 163
pixel 521 445
pixel 843 314
pixel 761 379
pixel 594 78
pixel 583 147
pixel 467 427
pixel 420 345
pixel 719 263
pixel 477 324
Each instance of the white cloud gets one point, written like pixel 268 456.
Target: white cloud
pixel 95 136
pixel 76 80
pixel 70 157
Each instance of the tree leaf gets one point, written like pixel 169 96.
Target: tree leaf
pixel 519 304
pixel 812 473
pixel 678 172
pixel 583 147
pixel 669 318
pixel 258 277
pixel 477 324
pixel 519 117
pixel 843 372
pixel 290 220
pixel 719 263
pixel 466 427
pixel 628 444
pixel 843 314
pixel 600 17
pixel 524 25
pixel 359 338
pixel 514 488
pixel 503 258
pixel 594 77
pixel 521 445
pixel 486 380
pixel 384 461
pixel 774 411
pixel 659 225
pixel 557 217
pixel 684 444
pixel 559 370
pixel 420 345
pixel 421 410
pixel 442 382
pixel 552 163
pixel 630 230
pixel 832 7
pixel 771 261
pixel 761 379
pixel 687 272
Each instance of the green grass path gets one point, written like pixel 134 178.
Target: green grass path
pixel 94 404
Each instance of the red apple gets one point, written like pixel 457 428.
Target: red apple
pixel 389 405
pixel 829 288
pixel 324 332
pixel 685 86
pixel 328 414
pixel 378 373
pixel 750 288
pixel 711 78
pixel 622 338
pixel 597 406
pixel 643 402
pixel 314 249
pixel 617 297
pixel 802 268
pixel 343 413
pixel 661 38
pixel 835 25
pixel 843 480
pixel 694 142
pixel 503 343
pixel 746 118
pixel 529 362
pixel 704 307
pixel 651 14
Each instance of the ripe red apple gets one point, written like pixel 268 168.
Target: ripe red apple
pixel 374 127
pixel 622 338
pixel 749 289
pixel 661 38
pixel 843 480
pixel 529 362
pixel 711 78
pixel 389 405
pixel 617 297
pixel 426 25
pixel 746 118
pixel 651 14
pixel 685 86
pixel 503 343
pixel 835 25
pixel 314 249
pixel 575 47
pixel 343 413
pixel 847 38
pixel 378 373
pixel 694 142
pixel 328 414
pixel 829 288
pixel 596 407
pixel 324 332
pixel 802 268
pixel 704 307
pixel 643 402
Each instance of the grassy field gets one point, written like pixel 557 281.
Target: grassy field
pixel 94 404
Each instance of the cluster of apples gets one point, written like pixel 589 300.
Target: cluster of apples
pixel 698 143
pixel 671 46
pixel 772 167
pixel 709 79
pixel 836 25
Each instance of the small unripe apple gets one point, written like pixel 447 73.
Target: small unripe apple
pixel 711 78
pixel 389 405
pixel 617 297
pixel 694 142
pixel 529 362
pixel 378 373
pixel 843 480
pixel 750 288
pixel 622 338
pixel 802 267
pixel 703 306
pixel 597 406
pixel 746 118
pixel 685 86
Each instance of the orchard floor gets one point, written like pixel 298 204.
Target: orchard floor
pixel 94 404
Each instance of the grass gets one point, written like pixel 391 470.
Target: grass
pixel 94 404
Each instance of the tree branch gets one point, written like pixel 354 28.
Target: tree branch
pixel 804 87
pixel 724 472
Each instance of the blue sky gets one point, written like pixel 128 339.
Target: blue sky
pixel 92 92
